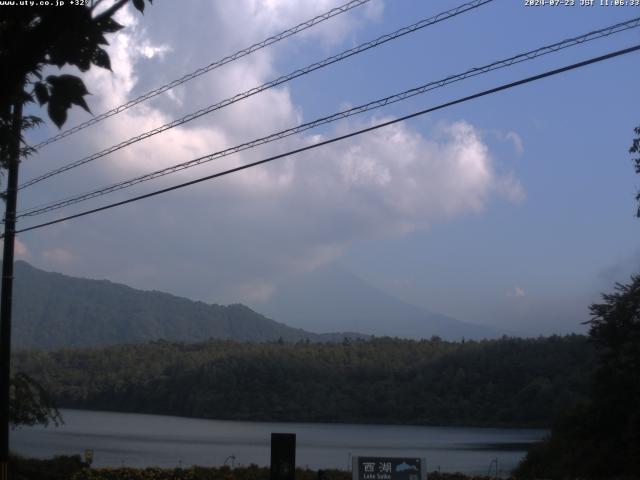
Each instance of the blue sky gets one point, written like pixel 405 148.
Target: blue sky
pixel 535 218
pixel 576 224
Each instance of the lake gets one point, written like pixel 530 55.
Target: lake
pixel 153 440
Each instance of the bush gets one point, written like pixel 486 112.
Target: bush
pixel 57 468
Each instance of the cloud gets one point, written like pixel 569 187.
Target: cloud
pixel 253 292
pixel 21 250
pixel 518 144
pixel 58 257
pixel 517 292
pixel 510 187
pixel 279 15
pixel 232 238
pixel 619 271
pixel 150 51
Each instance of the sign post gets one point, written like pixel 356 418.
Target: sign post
pixel 389 468
pixel 283 456
pixel 88 456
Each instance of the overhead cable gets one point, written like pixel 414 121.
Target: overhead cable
pixel 273 83
pixel 201 71
pixel 522 57
pixel 338 138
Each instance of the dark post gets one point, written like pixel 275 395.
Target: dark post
pixel 283 456
pixel 7 288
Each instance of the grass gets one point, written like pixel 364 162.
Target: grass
pixel 73 468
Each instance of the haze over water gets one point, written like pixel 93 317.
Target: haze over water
pixel 152 440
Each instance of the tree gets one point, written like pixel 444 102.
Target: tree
pixel 615 332
pixel 32 39
pixel 635 148
pixel 30 404
pixel 601 439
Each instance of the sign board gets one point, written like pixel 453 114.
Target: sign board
pixel 283 456
pixel 389 468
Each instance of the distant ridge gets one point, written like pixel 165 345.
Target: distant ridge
pixel 337 299
pixel 52 310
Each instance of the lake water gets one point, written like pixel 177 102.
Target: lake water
pixel 153 440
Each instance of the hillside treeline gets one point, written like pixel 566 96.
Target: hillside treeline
pixel 600 438
pixel 506 382
pixel 54 311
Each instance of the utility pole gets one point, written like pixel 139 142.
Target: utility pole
pixel 7 284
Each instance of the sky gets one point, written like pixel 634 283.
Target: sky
pixel 515 210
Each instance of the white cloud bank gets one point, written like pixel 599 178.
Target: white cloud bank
pixel 231 239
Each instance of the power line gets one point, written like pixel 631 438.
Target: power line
pixel 212 66
pixel 341 137
pixel 273 83
pixel 530 55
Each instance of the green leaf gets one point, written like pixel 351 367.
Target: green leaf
pixel 139 4
pixel 27 97
pixel 57 113
pixel 67 85
pixel 100 40
pixel 83 63
pixel 109 25
pixel 42 93
pixel 81 103
pixel 65 91
pixel 101 59
pixel 30 121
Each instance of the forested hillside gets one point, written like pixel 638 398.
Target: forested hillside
pixel 512 382
pixel 53 311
